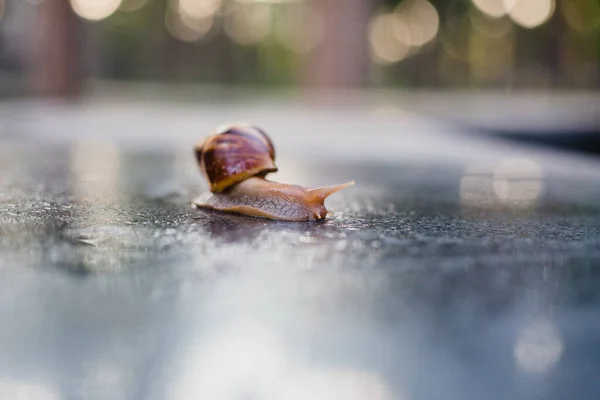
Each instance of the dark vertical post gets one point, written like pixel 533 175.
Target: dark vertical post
pixel 54 61
pixel 342 59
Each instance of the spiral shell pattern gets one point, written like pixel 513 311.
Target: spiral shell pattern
pixel 233 154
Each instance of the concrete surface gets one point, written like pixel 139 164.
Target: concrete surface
pixel 456 268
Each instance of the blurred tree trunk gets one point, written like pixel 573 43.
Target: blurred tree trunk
pixel 54 62
pixel 342 58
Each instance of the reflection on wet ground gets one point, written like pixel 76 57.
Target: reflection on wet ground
pixel 444 279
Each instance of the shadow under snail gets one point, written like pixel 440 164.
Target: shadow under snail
pixel 235 161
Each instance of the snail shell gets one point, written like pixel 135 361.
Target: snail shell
pixel 234 154
pixel 235 161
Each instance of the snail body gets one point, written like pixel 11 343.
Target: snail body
pixel 235 162
pixel 259 197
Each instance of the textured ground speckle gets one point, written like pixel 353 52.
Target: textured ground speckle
pixel 436 277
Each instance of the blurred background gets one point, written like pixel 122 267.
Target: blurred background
pixel 457 268
pixel 66 47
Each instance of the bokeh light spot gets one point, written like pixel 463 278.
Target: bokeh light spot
pixel 530 13
pixel 95 10
pixel 518 182
pixel 422 20
pixel 538 346
pixel 185 28
pixel 400 29
pixel 386 49
pixel 95 165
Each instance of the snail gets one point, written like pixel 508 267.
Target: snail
pixel 235 161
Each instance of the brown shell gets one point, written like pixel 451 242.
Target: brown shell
pixel 235 153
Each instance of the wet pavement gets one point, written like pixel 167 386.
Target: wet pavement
pixel 456 268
